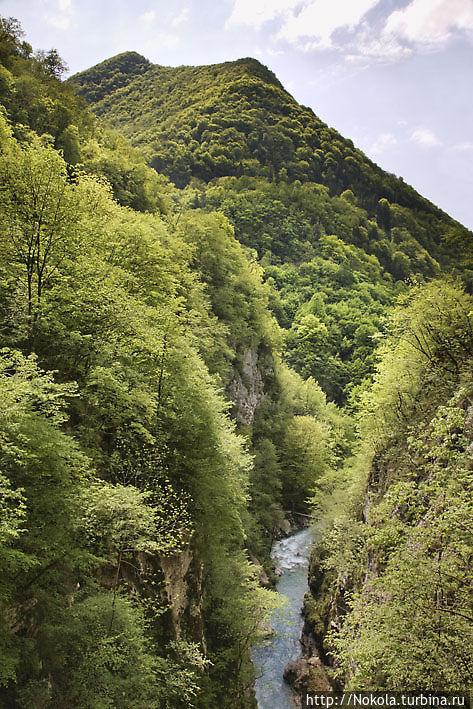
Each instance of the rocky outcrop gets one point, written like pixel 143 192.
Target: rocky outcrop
pixel 307 675
pixel 246 386
pixel 179 589
pixel 182 593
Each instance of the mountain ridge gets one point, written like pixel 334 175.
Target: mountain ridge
pixel 315 209
pixel 173 115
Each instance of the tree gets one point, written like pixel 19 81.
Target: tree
pixel 307 344
pixel 38 465
pixel 11 40
pixel 120 521
pixel 51 63
pixel 38 212
pixel 384 214
pixel 306 456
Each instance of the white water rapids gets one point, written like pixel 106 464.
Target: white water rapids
pixel 291 556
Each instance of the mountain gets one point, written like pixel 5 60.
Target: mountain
pixel 152 442
pixel 317 211
pixel 162 419
pixel 231 119
pixel 341 242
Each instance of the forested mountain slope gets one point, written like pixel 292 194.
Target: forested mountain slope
pixel 391 579
pixel 337 236
pixel 154 439
pixel 231 119
pixel 131 324
pixel 236 119
pixel 340 242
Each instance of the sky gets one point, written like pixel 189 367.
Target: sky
pixel 395 76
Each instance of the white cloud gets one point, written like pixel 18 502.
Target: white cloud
pixel 421 25
pixel 383 142
pixel 183 16
pixel 430 22
pixel 256 12
pixel 148 17
pixel 381 37
pixel 425 138
pixel 61 16
pixel 318 20
pixel 464 147
pixel 168 40
pixel 386 48
pixel 308 23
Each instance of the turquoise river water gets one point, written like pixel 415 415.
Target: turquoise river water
pixel 291 556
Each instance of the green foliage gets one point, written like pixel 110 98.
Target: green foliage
pixel 40 466
pixel 109 156
pixel 112 669
pixel 429 343
pixel 132 310
pixel 319 282
pixel 118 519
pixel 275 171
pixel 33 96
pixel 236 119
pixel 266 491
pixel 305 456
pixel 30 89
pixel 136 460
pixel 240 617
pixel 421 536
pixel 233 283
pixel 298 440
pixel 37 205
pixel 408 620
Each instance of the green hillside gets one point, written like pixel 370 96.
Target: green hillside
pixel 217 315
pixel 235 119
pixel 341 242
pixel 337 236
pixel 136 513
pixel 391 578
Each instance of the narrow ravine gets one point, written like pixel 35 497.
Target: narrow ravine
pixel 291 556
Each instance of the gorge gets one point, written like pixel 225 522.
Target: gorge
pixel 217 314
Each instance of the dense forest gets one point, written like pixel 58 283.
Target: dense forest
pixel 337 237
pixel 216 313
pixel 391 580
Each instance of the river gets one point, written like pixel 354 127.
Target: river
pixel 291 556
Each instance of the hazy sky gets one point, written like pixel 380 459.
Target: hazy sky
pixel 395 76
